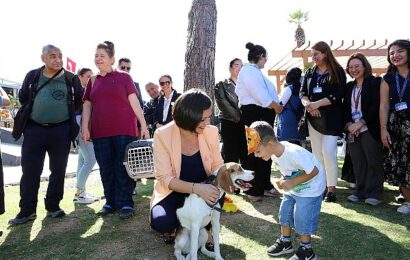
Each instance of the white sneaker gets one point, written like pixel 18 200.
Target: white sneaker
pixel 372 201
pixel 405 208
pixel 353 198
pixel 84 198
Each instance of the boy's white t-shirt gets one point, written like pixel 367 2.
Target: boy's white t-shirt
pixel 294 161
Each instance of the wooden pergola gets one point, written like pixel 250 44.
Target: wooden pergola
pixel 300 57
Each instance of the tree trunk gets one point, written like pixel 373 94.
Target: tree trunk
pixel 200 53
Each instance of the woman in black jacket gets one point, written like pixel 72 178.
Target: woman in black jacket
pixel 163 113
pixel 361 104
pixel 322 96
pixel 232 129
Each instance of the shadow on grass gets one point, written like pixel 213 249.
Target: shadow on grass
pixel 386 211
pixel 364 242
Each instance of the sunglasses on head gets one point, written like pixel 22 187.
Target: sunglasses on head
pixel 163 83
pixel 125 68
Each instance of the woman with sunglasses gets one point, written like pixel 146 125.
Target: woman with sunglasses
pixel 163 114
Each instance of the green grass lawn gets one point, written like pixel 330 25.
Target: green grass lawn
pixel 346 230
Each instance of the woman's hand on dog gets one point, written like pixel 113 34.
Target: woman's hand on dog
pixel 207 192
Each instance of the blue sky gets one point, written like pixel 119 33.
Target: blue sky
pixel 153 33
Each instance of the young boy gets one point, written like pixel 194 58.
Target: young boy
pixel 303 182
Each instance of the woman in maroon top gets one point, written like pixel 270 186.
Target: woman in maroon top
pixel 111 104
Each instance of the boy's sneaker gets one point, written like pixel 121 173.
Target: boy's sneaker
pixel 405 208
pixel 56 214
pixel 330 197
pixel 280 248
pixel 84 198
pixel 304 253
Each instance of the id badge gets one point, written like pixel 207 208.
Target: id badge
pixel 317 90
pixel 400 106
pixel 356 116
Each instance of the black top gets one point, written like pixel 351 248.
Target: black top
pixel 370 102
pixel 192 168
pixel 158 116
pixel 390 78
pixel 331 120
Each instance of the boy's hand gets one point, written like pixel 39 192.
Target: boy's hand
pixel 285 184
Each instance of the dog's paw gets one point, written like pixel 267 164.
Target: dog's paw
pixel 218 258
pixel 179 256
pixel 207 252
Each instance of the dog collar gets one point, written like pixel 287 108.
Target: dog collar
pixel 214 207
pixel 211 179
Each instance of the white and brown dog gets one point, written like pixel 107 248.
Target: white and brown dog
pixel 196 213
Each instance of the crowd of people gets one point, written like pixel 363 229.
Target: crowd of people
pixel 102 113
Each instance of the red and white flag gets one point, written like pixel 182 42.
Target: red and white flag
pixel 71 65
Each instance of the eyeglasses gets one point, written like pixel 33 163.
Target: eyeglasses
pixel 125 68
pixel 163 83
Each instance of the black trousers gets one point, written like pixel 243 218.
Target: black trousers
pixel 37 141
pixel 367 159
pixel 234 147
pixel 262 168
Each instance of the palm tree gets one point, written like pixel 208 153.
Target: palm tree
pixel 298 17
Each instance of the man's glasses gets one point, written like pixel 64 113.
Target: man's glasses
pixel 125 68
pixel 163 83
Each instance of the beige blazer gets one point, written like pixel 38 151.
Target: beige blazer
pixel 167 156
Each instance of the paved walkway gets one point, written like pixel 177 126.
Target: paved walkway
pixel 12 174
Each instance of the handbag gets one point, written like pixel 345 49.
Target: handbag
pixel 303 127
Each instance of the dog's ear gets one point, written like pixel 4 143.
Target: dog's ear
pixel 224 180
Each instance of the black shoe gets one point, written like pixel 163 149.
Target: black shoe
pixel 105 211
pixel 400 198
pixel 126 213
pixel 304 253
pixel 56 213
pixel 280 248
pixel 20 219
pixel 330 197
pixel 237 191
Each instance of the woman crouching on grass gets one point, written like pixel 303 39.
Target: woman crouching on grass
pixel 304 182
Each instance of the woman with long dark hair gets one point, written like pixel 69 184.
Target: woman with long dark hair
pixel 322 95
pixel 395 119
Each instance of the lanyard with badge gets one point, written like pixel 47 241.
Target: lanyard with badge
pixel 402 105
pixel 318 88
pixel 356 115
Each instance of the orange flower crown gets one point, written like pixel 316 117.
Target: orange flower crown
pixel 253 139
